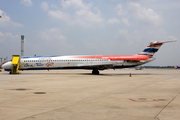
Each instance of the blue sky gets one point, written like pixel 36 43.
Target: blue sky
pixel 90 27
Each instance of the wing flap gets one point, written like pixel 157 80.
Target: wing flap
pixel 100 66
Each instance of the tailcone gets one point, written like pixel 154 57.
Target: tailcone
pixel 148 60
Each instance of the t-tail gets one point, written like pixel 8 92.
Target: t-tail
pixel 153 47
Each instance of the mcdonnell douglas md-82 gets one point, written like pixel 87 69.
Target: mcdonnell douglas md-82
pixel 92 62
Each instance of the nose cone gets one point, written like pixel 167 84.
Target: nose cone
pixel 3 66
pixel 7 65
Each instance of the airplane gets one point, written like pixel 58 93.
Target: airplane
pixel 91 62
pixel 177 67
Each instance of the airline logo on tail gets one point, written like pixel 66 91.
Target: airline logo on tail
pixel 152 48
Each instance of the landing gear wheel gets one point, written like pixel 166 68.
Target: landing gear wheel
pixel 95 72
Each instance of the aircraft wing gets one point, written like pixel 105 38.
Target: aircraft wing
pixel 100 66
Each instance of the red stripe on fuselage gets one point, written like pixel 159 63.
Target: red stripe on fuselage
pixel 115 57
pixel 146 54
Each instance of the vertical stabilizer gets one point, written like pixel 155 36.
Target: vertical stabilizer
pixel 153 47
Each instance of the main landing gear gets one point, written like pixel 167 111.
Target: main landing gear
pixel 95 72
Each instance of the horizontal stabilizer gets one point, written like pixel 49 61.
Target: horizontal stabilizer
pixel 159 42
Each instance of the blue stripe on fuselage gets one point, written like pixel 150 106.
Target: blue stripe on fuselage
pixel 7 69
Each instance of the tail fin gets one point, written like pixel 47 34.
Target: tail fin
pixel 153 47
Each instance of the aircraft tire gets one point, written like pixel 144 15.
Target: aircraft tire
pixel 95 72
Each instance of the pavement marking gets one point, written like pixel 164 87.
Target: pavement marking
pixel 165 107
pixel 143 100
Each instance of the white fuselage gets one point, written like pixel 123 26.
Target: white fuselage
pixel 78 62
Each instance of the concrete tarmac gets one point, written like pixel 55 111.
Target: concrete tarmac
pixel 150 94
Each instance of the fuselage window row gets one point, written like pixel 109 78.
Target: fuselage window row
pixel 64 60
